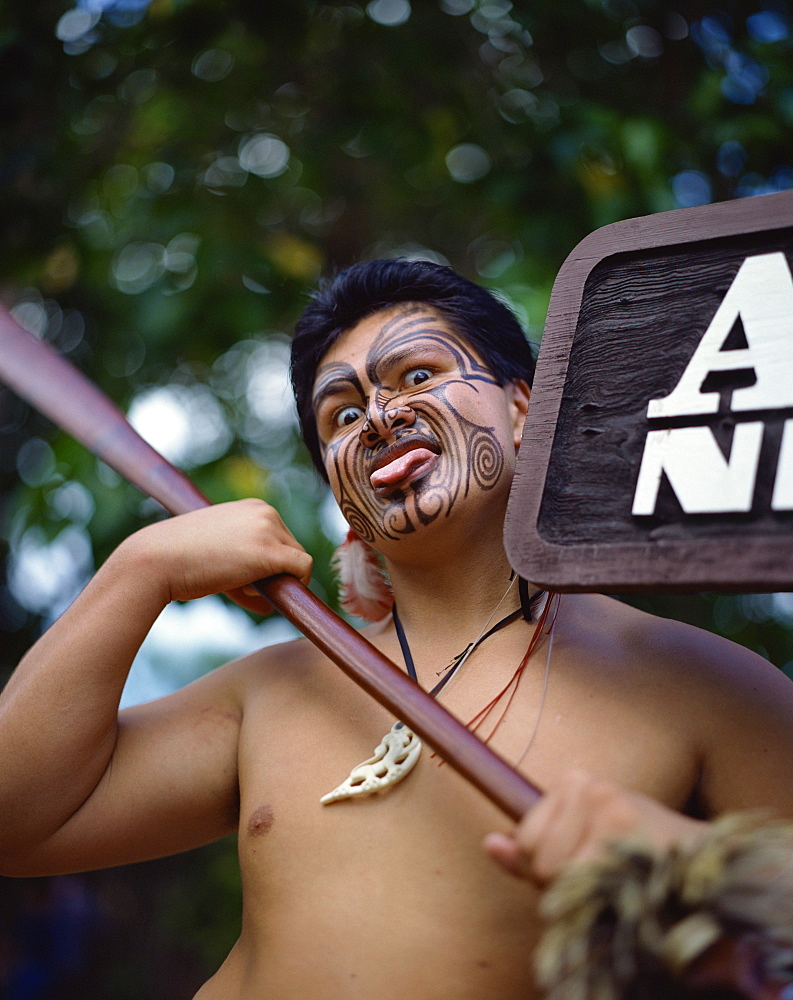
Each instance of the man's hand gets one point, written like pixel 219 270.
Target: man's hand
pixel 221 548
pixel 577 819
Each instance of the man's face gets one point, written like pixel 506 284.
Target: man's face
pixel 411 422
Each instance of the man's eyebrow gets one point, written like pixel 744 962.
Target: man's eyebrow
pixel 407 353
pixel 334 379
pixel 415 350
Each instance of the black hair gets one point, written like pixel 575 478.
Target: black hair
pixel 472 312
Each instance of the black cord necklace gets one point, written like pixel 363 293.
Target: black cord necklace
pixel 524 611
pixel 455 663
pixel 400 748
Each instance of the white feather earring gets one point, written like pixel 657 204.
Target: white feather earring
pixel 365 591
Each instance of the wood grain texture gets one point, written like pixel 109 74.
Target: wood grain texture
pixel 628 309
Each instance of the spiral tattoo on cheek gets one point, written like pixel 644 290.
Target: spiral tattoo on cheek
pixel 486 458
pixel 471 456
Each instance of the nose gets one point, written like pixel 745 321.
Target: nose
pixel 384 421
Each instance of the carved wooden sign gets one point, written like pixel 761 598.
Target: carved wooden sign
pixel 658 451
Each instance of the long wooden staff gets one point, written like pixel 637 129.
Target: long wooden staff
pixel 57 389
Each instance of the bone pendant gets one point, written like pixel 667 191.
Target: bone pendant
pixel 394 758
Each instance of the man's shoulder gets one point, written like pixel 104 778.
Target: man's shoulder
pixel 294 655
pixel 647 641
pixel 701 658
pixel 295 663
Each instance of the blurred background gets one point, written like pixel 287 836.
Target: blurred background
pixel 175 176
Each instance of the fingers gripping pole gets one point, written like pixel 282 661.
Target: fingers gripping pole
pixel 52 385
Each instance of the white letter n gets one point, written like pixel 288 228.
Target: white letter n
pixel 703 481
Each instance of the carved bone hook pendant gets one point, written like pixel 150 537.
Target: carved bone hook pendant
pixel 393 759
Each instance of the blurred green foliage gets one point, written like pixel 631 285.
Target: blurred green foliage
pixel 175 178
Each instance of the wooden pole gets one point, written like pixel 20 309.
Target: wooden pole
pixel 57 389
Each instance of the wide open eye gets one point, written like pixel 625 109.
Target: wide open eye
pixel 347 415
pixel 416 376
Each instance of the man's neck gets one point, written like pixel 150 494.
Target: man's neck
pixel 457 591
pixel 446 603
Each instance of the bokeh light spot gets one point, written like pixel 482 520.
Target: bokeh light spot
pixel 467 163
pixel 137 266
pixel 72 502
pixel 390 13
pixel 767 26
pixel 644 41
pixel 185 423
pixel 691 188
pixel 75 23
pixel 36 463
pixel 32 315
pixel 159 176
pixel 45 576
pixel 731 158
pixel 264 154
pixel 213 65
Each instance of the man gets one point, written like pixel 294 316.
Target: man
pixel 412 390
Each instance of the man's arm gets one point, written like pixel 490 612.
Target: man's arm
pixel 738 710
pixel 744 709
pixel 80 786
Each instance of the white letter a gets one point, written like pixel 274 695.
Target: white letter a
pixel 761 295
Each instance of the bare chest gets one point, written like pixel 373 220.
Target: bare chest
pixel 397 886
pixel 393 891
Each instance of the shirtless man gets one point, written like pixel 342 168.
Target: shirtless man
pixel 643 720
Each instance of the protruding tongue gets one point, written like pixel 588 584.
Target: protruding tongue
pixel 399 468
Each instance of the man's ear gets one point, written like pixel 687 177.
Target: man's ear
pixel 520 394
